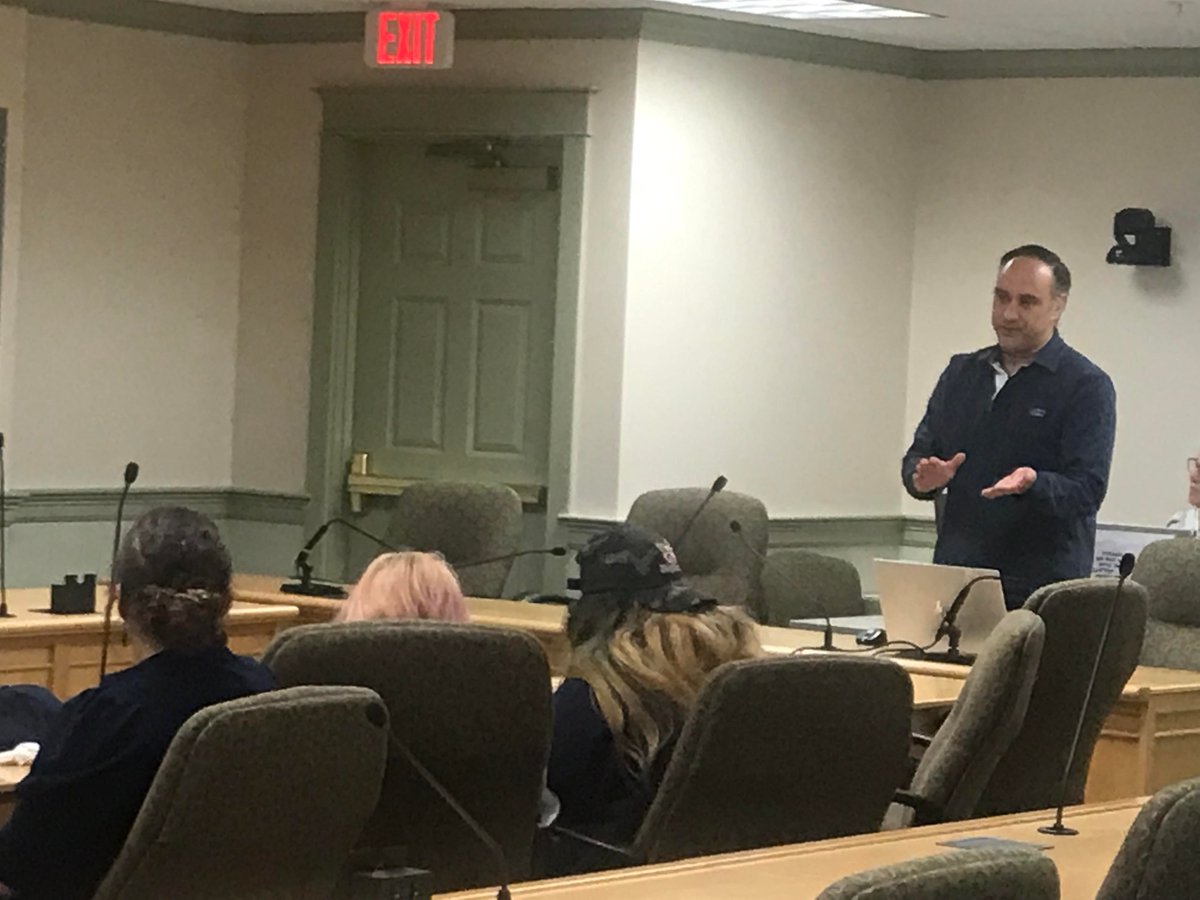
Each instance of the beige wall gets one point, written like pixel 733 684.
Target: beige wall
pixel 751 272
pixel 129 241
pixel 283 128
pixel 12 98
pixel 770 252
pixel 1050 161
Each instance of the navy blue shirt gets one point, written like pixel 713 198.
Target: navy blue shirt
pixel 1056 415
pixel 76 806
pixel 599 793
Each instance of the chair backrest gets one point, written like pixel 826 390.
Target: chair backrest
pixel 473 705
pixel 1157 861
pixel 986 717
pixel 464 522
pixel 779 751
pixel 259 797
pixel 1000 874
pixel 1170 572
pixel 797 584
pixel 1029 776
pixel 713 559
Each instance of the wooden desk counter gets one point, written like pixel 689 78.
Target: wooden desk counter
pixel 545 621
pixel 62 653
pixel 1151 739
pixel 802 871
pixel 265 589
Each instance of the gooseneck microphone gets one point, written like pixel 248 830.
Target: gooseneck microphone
pixel 131 474
pixel 305 586
pixel 717 487
pixel 546 551
pixel 4 613
pixel 448 798
pixel 948 627
pixel 736 527
pixel 1058 828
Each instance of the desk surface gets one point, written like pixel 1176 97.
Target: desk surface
pixel 545 618
pixel 802 871
pixel 31 616
pixel 548 619
pixel 929 690
pixel 1145 679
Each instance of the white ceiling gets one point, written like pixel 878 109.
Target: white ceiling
pixel 960 24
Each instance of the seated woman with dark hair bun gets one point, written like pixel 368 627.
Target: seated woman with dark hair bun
pixel 75 808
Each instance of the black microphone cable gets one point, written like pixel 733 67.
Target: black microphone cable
pixel 547 551
pixel 444 793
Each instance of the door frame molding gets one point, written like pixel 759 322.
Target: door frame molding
pixel 352 116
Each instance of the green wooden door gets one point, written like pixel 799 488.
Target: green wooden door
pixel 456 320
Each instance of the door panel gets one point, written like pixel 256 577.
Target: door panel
pixel 500 383
pixel 417 381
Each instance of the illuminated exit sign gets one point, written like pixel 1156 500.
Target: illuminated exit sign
pixel 410 39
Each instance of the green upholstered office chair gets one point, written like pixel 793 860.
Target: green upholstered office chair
pixel 1170 572
pixel 797 584
pixel 779 751
pixel 986 717
pixel 1029 775
pixel 464 522
pixel 259 797
pixel 473 705
pixel 1157 860
pixel 713 559
pixel 977 874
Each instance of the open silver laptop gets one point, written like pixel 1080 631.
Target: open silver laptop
pixel 914 597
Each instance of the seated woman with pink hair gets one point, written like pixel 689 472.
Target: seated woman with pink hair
pixel 407 585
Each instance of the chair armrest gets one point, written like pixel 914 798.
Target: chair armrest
pixel 921 740
pixel 926 811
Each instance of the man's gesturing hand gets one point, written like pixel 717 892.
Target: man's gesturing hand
pixel 933 474
pixel 1018 481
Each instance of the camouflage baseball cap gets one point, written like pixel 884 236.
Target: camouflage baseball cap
pixel 630 560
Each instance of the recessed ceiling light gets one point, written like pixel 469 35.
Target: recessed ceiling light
pixel 808 9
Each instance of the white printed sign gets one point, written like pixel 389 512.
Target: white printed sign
pixel 1114 541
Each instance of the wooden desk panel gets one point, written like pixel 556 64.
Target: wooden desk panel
pixel 801 871
pixel 62 653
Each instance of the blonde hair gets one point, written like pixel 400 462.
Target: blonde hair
pixel 648 671
pixel 406 586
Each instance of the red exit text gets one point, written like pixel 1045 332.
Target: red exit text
pixel 409 38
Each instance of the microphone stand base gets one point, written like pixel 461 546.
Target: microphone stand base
pixel 1058 829
pixel 313 589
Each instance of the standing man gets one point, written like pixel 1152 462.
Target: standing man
pixel 1020 436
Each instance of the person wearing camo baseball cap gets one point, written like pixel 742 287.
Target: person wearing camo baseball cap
pixel 643 645
pixel 623 568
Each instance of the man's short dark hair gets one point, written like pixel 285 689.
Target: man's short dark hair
pixel 1058 268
